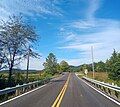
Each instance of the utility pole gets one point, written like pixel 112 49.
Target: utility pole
pixel 28 57
pixel 93 62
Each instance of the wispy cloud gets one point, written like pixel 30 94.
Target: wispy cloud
pixel 28 7
pixel 92 8
pixel 103 39
pixel 80 35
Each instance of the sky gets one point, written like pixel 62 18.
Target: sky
pixel 68 28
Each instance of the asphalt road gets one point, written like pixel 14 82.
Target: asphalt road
pixel 75 94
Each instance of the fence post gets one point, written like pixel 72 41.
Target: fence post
pixel 17 92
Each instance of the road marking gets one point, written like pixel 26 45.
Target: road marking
pixel 21 95
pixel 116 102
pixel 54 104
pixel 59 98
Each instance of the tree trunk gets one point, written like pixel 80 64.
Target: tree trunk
pixel 10 76
pixel 27 65
pixel 10 69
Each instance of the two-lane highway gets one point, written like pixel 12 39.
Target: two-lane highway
pixel 66 91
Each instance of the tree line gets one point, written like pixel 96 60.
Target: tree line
pixel 110 66
pixel 51 66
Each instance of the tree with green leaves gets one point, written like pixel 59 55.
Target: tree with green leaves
pixel 85 66
pixel 100 67
pixel 51 64
pixel 19 78
pixel 15 35
pixel 64 66
pixel 58 68
pixel 113 65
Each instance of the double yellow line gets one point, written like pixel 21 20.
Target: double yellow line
pixel 59 98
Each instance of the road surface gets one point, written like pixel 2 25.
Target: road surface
pixel 65 91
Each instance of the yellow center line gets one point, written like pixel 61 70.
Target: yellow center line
pixel 59 98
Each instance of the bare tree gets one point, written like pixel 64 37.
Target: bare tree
pixel 15 36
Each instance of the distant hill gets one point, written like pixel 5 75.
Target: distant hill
pixel 74 68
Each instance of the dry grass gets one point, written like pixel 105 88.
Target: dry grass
pixel 101 76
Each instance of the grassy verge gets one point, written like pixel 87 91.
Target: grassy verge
pixel 101 76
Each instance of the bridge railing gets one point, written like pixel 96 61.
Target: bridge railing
pixel 107 88
pixel 11 92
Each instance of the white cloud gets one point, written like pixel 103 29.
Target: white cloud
pixel 29 7
pixel 103 34
pixel 93 7
pixel 77 61
pixel 70 36
pixel 35 64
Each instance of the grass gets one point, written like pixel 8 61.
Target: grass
pixel 30 75
pixel 101 76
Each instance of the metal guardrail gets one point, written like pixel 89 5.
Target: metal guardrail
pixel 20 89
pixel 112 90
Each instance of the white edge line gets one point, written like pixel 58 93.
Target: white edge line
pixel 21 95
pixel 100 92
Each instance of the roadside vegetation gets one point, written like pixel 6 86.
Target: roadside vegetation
pixel 52 67
pixel 108 71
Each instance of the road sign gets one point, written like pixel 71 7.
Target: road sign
pixel 86 71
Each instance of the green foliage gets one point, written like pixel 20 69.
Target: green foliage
pixel 19 78
pixel 100 67
pixel 113 66
pixel 74 68
pixel 3 81
pixel 58 68
pixel 51 64
pixel 45 75
pixel 64 66
pixel 86 66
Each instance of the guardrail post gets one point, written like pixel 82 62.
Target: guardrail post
pixel 112 90
pixel 23 90
pixel 28 88
pixel 116 94
pixel 99 87
pixel 37 84
pixel 17 92
pixel 109 91
pixel 33 86
pixel 104 90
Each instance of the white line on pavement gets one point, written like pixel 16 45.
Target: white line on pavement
pixel 100 92
pixel 21 95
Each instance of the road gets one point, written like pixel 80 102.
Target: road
pixel 75 93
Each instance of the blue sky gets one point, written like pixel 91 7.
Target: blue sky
pixel 69 28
